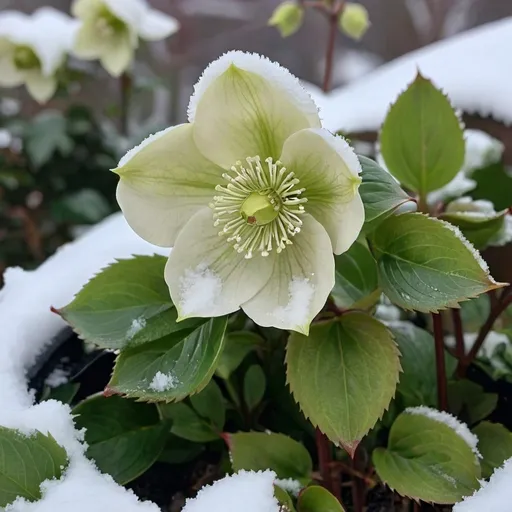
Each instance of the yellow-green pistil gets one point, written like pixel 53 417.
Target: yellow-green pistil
pixel 259 208
pixel 25 58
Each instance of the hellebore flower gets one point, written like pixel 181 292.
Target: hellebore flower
pixel 253 194
pixel 110 30
pixel 33 49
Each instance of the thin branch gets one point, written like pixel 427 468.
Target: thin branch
pixel 358 489
pixel 323 447
pixel 442 388
pixel 459 334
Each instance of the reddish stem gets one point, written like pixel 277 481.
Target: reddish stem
pixel 442 388
pixel 503 302
pixel 126 84
pixel 459 334
pixel 333 15
pixel 357 485
pixel 324 462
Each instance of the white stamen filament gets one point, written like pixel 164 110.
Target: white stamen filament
pixel 280 187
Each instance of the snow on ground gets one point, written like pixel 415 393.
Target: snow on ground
pixel 494 496
pixel 470 67
pixel 249 491
pixel 27 327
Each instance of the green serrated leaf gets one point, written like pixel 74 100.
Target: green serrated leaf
pixel 344 375
pixel 478 229
pixel 418 381
pixel 381 194
pixel 260 450
pixel 179 451
pixel 426 265
pixel 469 402
pixel 494 444
pixel 26 462
pixel 254 386
pixel 422 140
pixel 188 424
pixel 126 304
pixel 356 284
pixel 237 346
pixel 318 499
pixel 284 499
pixel 427 460
pixel 125 438
pixel 173 367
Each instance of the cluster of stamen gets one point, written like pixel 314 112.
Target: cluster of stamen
pixel 276 224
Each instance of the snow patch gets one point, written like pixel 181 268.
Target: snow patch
pixel 200 288
pixel 289 485
pixel 493 496
pixel 136 326
pixel 57 378
pixel 461 429
pixel 300 294
pixel 163 382
pixel 249 491
pixel 492 340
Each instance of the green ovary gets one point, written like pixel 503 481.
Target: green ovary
pixel 25 58
pixel 258 210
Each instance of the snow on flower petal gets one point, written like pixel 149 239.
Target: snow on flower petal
pixel 110 30
pixel 245 106
pixel 253 194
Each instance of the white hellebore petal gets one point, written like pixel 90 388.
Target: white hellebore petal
pixel 33 48
pixel 254 195
pixel 110 30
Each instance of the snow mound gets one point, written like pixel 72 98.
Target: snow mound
pixel 470 68
pixel 28 326
pixel 493 496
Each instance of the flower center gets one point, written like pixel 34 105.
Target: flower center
pixel 25 58
pixel 108 24
pixel 259 208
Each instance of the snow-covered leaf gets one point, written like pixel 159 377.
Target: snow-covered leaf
pixel 495 445
pixel 468 401
pixel 238 344
pixel 254 386
pixel 478 229
pixel 422 140
pixel 418 381
pixel 171 368
pixel 260 450
pixel 26 462
pixel 381 194
pixel 125 437
pixel 126 304
pixel 356 284
pixel 427 459
pixel 318 499
pixel 344 375
pixel 426 264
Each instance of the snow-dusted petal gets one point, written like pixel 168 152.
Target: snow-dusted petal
pixel 302 278
pixel 118 54
pixel 132 12
pixel 164 181
pixel 156 26
pixel 206 276
pixel 40 87
pixel 328 170
pixel 244 105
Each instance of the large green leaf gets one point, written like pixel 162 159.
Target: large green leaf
pixel 495 445
pixel 356 283
pixel 126 304
pixel 125 438
pixel 422 139
pixel 26 462
pixel 380 192
pixel 261 450
pixel 426 264
pixel 344 375
pixel 318 499
pixel 478 229
pixel 418 382
pixel 494 183
pixel 254 386
pixel 171 368
pixel 428 460
pixel 468 401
